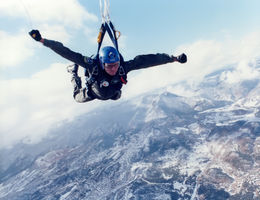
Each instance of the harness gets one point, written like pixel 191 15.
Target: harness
pixel 96 72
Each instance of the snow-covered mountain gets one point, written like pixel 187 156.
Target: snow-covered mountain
pixel 183 142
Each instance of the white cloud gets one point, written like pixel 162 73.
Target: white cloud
pixel 52 18
pixel 204 57
pixel 249 47
pixel 29 107
pixel 244 71
pixel 66 12
pixel 14 49
pixel 55 32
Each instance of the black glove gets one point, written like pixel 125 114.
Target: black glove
pixel 182 58
pixel 35 34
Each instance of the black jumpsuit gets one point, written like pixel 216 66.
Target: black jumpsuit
pixel 105 86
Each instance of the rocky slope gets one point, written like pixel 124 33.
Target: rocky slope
pixel 205 145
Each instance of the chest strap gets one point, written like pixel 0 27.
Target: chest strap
pixel 95 73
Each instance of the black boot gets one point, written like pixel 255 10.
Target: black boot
pixel 76 81
pixel 73 69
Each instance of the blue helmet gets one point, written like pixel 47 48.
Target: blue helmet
pixel 108 54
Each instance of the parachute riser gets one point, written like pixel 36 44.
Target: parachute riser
pixel 107 26
pixel 110 29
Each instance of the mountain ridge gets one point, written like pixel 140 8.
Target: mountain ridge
pixel 161 145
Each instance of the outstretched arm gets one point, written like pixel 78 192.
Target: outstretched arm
pixel 150 60
pixel 60 49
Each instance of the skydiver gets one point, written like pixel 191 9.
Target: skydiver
pixel 107 73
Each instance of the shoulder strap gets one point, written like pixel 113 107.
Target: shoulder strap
pixel 121 71
pixel 95 69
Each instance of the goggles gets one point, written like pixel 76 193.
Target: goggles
pixel 111 65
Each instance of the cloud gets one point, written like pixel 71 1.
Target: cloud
pixel 30 106
pixel 14 49
pixel 244 71
pixel 249 47
pixel 204 57
pixel 55 20
pixel 55 32
pixel 66 12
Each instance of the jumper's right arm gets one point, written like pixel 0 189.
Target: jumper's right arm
pixel 65 52
pixel 60 49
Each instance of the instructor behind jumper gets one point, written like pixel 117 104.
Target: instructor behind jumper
pixel 107 72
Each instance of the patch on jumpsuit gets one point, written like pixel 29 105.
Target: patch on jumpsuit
pixel 104 83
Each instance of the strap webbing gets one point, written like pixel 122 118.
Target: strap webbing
pixel 101 35
pixel 110 29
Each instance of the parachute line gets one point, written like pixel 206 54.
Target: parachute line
pixel 104 11
pixel 107 26
pixel 29 19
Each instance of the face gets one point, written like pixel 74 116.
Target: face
pixel 111 68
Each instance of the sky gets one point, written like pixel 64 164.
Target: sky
pixel 36 93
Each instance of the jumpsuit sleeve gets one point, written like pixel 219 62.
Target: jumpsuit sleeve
pixel 66 52
pixel 146 61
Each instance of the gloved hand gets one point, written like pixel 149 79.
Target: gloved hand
pixel 182 58
pixel 35 34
